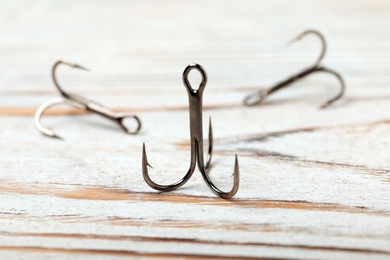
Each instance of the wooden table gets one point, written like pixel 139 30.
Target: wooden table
pixel 315 183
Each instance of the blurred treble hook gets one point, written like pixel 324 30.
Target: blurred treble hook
pixel 196 137
pixel 258 97
pixel 80 103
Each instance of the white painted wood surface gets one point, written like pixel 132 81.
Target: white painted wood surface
pixel 314 183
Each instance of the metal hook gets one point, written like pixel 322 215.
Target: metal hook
pixel 258 97
pixel 196 137
pixel 80 103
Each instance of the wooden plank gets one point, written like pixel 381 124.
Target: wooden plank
pixel 314 183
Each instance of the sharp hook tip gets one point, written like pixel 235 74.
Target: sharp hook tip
pixel 144 154
pixel 235 165
pixel 292 41
pixel 325 105
pixel 77 66
pixel 328 103
pixel 57 137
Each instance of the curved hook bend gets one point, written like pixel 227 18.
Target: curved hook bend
pixel 42 108
pixel 54 76
pixel 189 173
pixel 320 36
pixel 196 140
pixel 342 86
pixel 259 96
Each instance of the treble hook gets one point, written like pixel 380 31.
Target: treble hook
pixel 196 138
pixel 258 97
pixel 80 103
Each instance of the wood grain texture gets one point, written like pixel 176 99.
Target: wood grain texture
pixel 315 184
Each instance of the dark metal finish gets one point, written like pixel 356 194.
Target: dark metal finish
pixel 196 137
pixel 80 103
pixel 259 97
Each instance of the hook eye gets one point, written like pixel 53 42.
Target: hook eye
pixel 128 126
pixel 252 99
pixel 255 98
pixel 202 73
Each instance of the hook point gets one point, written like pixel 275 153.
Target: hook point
pixel 294 40
pixel 235 165
pixel 326 104
pixel 77 66
pixel 58 137
pixel 145 159
pixel 52 134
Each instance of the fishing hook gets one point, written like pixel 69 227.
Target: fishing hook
pixel 196 138
pixel 80 103
pixel 259 96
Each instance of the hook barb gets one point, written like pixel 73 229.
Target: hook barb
pixel 144 157
pixel 210 149
pixel 77 66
